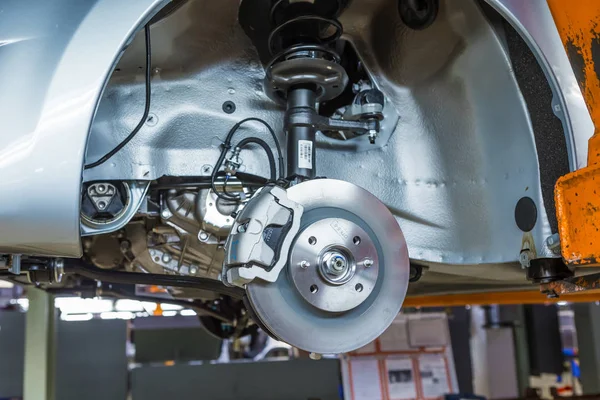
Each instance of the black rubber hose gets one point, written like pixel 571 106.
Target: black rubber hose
pixel 273 171
pixel 259 142
pixel 227 146
pixel 80 268
pixel 135 130
pixel 233 130
pixel 224 196
pixel 277 146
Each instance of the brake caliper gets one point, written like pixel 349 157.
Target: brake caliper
pixel 261 237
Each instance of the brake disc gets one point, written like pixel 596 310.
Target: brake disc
pixel 346 274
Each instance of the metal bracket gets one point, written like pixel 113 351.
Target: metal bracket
pixel 309 118
pixel 101 195
pixel 571 285
pixel 137 193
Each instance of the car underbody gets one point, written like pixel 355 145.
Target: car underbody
pixel 297 163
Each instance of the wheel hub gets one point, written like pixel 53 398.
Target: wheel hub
pixel 336 279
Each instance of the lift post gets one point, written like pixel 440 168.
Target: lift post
pixel 40 346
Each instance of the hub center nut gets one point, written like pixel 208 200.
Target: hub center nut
pixel 335 263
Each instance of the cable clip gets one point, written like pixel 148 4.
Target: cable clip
pixel 233 163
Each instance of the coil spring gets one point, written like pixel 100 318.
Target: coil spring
pixel 321 42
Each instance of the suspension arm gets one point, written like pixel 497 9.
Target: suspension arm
pixel 80 268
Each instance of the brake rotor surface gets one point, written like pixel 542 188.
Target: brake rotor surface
pixel 347 274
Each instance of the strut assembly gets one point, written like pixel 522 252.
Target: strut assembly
pixel 304 70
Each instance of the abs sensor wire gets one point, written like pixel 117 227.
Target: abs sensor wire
pixel 135 130
pixel 244 142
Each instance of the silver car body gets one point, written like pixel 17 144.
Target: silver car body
pixel 56 60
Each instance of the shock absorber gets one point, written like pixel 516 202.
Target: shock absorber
pixel 301 147
pixel 305 70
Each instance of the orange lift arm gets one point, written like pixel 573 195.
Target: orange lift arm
pixel 488 298
pixel 577 195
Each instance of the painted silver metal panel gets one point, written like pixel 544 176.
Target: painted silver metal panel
pixel 458 160
pixel 533 20
pixel 55 57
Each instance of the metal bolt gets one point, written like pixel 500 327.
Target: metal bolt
pixel 101 205
pixel 315 356
pixel 335 263
pixel 59 269
pixel 304 264
pixel 125 245
pixel 553 243
pixel 368 263
pixel 166 257
pixel 166 214
pixel 101 189
pixel 193 270
pixel 524 258
pixel 241 229
pixel 203 236
pixel 372 136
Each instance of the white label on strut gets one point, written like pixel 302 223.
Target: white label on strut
pixel 305 154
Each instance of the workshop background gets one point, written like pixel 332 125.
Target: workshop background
pixel 72 348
